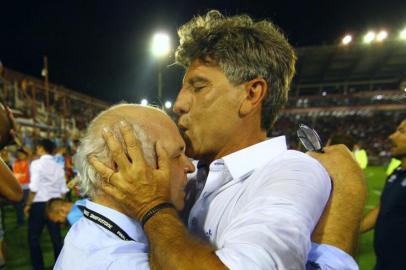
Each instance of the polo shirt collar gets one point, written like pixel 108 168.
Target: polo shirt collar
pixel 246 160
pixel 127 224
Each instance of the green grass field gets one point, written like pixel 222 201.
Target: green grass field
pixel 17 245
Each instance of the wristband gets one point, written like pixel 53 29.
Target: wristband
pixel 155 210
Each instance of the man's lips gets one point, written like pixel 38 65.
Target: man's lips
pixel 182 129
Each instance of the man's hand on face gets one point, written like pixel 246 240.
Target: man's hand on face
pixel 134 184
pixel 339 224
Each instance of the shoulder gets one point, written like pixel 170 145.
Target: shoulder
pixel 292 160
pixel 99 249
pixel 292 168
pixel 35 163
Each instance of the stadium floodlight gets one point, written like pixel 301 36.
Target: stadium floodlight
pixel 168 104
pixel 160 45
pixel 382 35
pixel 369 37
pixel 346 40
pixel 402 34
pixel 144 102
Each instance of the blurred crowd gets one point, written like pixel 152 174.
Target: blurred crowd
pixel 369 130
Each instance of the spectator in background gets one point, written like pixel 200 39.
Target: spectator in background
pixel 59 211
pixel 389 217
pixel 47 181
pixel 393 164
pixel 22 173
pixel 59 156
pixel 360 155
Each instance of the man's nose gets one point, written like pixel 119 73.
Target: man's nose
pixel 189 167
pixel 182 103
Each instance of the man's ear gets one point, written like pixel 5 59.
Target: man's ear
pixel 255 92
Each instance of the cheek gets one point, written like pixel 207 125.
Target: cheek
pixel 178 182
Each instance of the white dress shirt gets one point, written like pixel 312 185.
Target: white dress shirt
pixel 328 257
pixel 47 179
pixel 89 246
pixel 260 205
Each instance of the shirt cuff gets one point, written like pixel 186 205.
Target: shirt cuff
pixel 327 257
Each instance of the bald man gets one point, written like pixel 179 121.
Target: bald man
pixel 107 238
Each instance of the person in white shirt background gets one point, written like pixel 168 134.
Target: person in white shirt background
pixel 260 202
pixel 47 182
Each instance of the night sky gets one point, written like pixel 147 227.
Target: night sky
pixel 101 48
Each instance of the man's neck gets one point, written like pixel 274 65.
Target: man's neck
pixel 107 202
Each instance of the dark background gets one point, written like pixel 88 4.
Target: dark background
pixel 101 48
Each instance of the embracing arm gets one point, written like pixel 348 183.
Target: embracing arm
pixel 368 222
pixel 340 224
pixel 172 246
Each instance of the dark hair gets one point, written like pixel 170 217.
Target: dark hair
pixel 244 50
pixel 53 204
pixel 47 144
pixel 21 150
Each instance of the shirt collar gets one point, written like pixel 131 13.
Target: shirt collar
pixel 127 224
pixel 46 156
pixel 246 160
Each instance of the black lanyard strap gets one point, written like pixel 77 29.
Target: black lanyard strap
pixel 105 223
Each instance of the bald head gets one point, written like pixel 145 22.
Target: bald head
pixel 148 123
pixel 146 117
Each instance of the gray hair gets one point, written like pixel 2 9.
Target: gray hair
pixel 93 144
pixel 244 50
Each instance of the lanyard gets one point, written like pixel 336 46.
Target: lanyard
pixel 105 223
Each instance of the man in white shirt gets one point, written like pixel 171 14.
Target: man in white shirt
pixel 106 237
pixel 260 202
pixel 47 181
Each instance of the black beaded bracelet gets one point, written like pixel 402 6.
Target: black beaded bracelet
pixel 153 211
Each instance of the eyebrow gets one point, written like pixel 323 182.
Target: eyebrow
pixel 179 150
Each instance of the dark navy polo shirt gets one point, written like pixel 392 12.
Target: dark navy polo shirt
pixel 390 227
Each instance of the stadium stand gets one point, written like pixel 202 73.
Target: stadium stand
pixel 358 90
pixel 46 110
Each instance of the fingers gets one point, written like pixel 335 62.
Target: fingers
pixel 109 176
pixel 314 154
pixel 112 191
pixel 104 171
pixel 116 150
pixel 163 159
pixel 134 149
